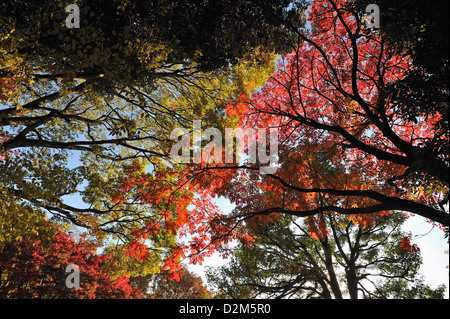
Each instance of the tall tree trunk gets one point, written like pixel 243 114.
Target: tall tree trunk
pixel 352 282
pixel 329 265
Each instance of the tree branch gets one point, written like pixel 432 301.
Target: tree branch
pixel 385 202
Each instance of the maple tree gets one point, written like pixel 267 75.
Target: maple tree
pixel 345 146
pixel 194 217
pixel 110 95
pixel 330 101
pixel 36 269
pixel 360 262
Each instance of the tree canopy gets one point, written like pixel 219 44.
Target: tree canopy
pixel 89 119
pixel 360 262
pixel 343 136
pixel 36 269
pixel 106 94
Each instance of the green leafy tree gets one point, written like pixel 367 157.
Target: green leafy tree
pixel 287 260
pixel 94 101
pixel 158 286
pixel 124 42
pixel 19 221
pixel 402 289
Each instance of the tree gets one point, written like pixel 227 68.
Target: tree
pixel 396 289
pixel 43 176
pixel 121 43
pixel 36 269
pixel 108 95
pixel 7 88
pixel 18 221
pixel 421 32
pixel 329 99
pixel 345 149
pixel 158 286
pixel 119 141
pixel 287 260
pixel 417 27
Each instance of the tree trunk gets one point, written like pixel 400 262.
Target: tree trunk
pixel 352 282
pixel 329 265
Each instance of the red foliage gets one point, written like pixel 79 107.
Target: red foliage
pixel 4 155
pixel 35 269
pixel 317 227
pixel 406 245
pixel 196 218
pixel 7 86
pixel 342 145
pixel 343 142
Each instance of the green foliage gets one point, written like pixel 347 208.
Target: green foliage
pixel 120 265
pixel 401 289
pixel 286 262
pixel 419 27
pixel 125 43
